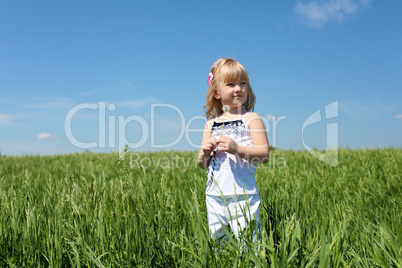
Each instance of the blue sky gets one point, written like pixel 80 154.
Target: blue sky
pixel 77 75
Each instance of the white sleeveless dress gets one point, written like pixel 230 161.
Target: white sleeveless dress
pixel 230 175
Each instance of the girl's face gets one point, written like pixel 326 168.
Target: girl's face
pixel 232 93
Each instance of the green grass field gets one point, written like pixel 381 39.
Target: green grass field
pixel 148 209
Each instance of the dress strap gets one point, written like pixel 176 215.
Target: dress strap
pixel 244 116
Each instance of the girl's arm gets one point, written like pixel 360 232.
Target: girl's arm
pixel 207 146
pixel 260 152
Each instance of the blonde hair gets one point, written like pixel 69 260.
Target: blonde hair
pixel 226 70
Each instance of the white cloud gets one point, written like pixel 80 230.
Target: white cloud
pixel 7 119
pixel 318 14
pixel 84 93
pixel 125 82
pixel 120 86
pixel 364 111
pixel 45 136
pixel 398 116
pixel 53 104
pixel 136 103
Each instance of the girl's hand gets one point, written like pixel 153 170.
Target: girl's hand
pixel 227 144
pixel 209 146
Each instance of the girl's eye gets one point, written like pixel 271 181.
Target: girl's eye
pixel 230 84
pixel 243 83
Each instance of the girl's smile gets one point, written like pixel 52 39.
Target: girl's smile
pixel 233 94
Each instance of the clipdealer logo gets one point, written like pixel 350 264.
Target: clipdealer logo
pixel 109 124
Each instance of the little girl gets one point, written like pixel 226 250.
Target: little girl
pixel 234 140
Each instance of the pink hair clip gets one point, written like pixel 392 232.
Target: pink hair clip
pixel 210 77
